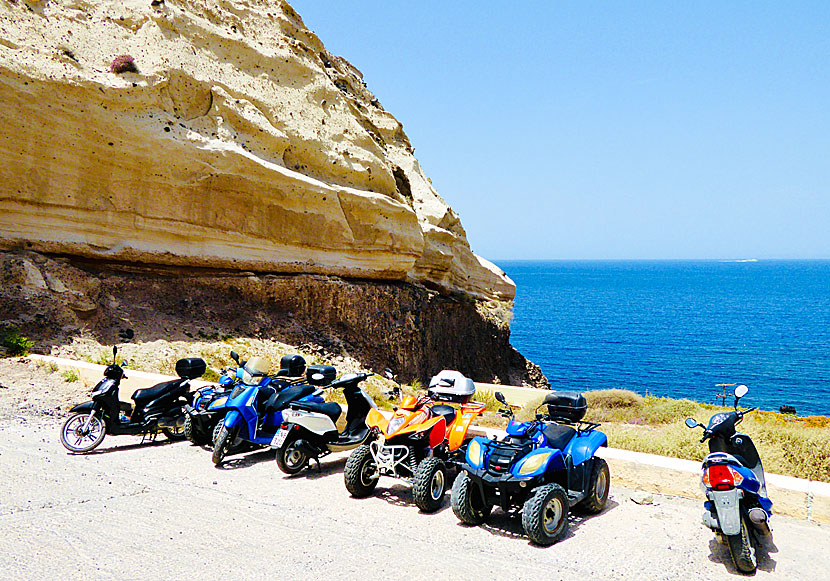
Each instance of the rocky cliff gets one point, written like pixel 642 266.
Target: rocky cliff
pixel 216 135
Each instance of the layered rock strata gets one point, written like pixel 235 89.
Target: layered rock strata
pixel 237 142
pixel 407 327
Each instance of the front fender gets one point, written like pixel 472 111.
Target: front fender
pixel 232 419
pixel 584 446
pixel 84 407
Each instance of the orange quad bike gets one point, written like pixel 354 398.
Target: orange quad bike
pixel 423 442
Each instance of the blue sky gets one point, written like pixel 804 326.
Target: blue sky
pixel 608 129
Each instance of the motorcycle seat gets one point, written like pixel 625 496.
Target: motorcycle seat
pixel 558 435
pixel 281 399
pixel 143 396
pixel 444 410
pixel 330 409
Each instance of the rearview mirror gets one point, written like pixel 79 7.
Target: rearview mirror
pixel 690 423
pixel 387 373
pixel 741 390
pixel 500 397
pixel 114 350
pixel 235 357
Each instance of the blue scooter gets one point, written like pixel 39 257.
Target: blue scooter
pixel 542 467
pixel 736 491
pixel 254 407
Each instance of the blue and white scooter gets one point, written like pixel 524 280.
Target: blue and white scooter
pixel 254 407
pixel 737 505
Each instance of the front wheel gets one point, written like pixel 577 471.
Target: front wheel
pixel 191 433
pixel 545 514
pixel 598 487
pixel 430 484
pixel 222 444
pixel 741 549
pixel 79 439
pixel 290 456
pixel 361 472
pixel 467 501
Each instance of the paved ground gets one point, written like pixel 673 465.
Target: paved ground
pixel 134 511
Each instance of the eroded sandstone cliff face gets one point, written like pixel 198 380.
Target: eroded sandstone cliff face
pixel 140 197
pixel 238 142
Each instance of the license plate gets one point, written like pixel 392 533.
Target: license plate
pixel 279 438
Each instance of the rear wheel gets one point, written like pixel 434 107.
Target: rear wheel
pixel 467 501
pixel 598 487
pixel 742 550
pixel 361 472
pixel 79 439
pixel 290 457
pixel 176 434
pixel 430 484
pixel 545 514
pixel 223 443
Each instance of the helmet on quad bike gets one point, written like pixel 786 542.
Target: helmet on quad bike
pixel 255 368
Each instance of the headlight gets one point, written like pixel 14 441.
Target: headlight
pixel 475 454
pixel 217 403
pixel 532 463
pixel 394 425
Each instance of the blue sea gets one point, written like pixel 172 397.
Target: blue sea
pixel 678 328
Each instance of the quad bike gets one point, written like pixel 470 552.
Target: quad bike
pixel 157 408
pixel 420 444
pixel 543 467
pixel 210 404
pixel 309 429
pixel 254 413
pixel 737 506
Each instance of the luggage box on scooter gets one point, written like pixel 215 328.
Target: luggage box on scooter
pixel 291 366
pixel 451 386
pixel 190 367
pixel 568 406
pixel 313 373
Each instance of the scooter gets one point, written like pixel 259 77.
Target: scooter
pixel 210 404
pixel 543 467
pixel 309 430
pixel 737 506
pixel 156 408
pixel 419 444
pixel 255 405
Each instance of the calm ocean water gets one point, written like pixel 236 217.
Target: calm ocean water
pixel 677 328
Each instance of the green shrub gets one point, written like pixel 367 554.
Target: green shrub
pixel 70 375
pixel 14 343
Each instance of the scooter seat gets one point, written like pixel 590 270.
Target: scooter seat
pixel 558 435
pixel 330 409
pixel 281 399
pixel 142 396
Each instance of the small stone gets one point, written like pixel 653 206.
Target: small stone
pixel 642 497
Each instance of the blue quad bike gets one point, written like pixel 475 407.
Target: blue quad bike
pixel 542 468
pixel 737 505
pixel 254 407
pixel 210 404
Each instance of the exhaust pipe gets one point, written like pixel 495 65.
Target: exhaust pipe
pixel 758 517
pixel 171 422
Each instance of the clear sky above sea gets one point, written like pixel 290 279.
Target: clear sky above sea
pixel 608 129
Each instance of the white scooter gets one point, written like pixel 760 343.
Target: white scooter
pixel 309 432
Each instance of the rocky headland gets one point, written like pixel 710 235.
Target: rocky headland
pixel 187 167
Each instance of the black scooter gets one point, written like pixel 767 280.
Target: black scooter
pixel 156 408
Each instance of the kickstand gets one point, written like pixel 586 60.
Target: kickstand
pixel 319 469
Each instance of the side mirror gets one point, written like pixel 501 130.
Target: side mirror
pixel 500 398
pixel 114 350
pixel 125 363
pixel 690 423
pixel 235 357
pixel 387 373
pixel 741 391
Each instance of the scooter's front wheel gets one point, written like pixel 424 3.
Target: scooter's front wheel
pixel 78 437
pixel 222 444
pixel 740 546
pixel 290 456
